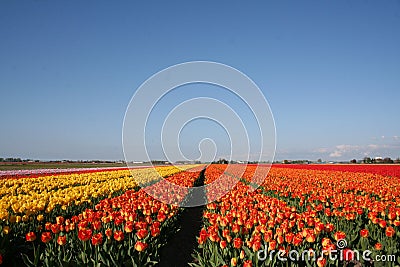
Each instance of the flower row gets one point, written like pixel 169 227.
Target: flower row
pixel 127 229
pixel 302 211
pixel 23 198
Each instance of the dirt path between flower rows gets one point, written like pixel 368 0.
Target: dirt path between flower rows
pixel 179 249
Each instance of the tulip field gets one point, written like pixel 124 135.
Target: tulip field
pixel 335 215
pixel 93 218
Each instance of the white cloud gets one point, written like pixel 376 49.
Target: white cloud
pixel 340 150
pixel 321 150
pixel 346 151
pixel 347 148
pixel 335 154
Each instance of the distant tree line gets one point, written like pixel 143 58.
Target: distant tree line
pixel 366 160
pixel 225 161
pixel 300 161
pixel 12 160
pixel 159 162
pixel 387 160
pixel 188 162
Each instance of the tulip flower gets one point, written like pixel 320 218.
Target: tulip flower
pixel 46 237
pixel 140 246
pixel 237 242
pixel 364 233
pixel 62 240
pixel 31 236
pixel 97 239
pixel 118 235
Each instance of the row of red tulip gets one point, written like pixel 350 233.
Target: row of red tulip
pixel 381 169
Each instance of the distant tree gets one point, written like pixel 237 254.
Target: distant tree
pixel 1 159
pixel 319 160
pixel 13 160
pixel 353 161
pixel 397 161
pixel 367 160
pixel 387 160
pixel 222 161
pixel 285 161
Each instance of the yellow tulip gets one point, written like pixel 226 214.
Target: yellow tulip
pixel 28 196
pixel 6 230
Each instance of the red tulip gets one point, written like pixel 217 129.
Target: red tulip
pixel 46 237
pixel 339 235
pixel 142 233
pixel 272 245
pixel 247 263
pixel 55 228
pixel 378 246
pixel 128 227
pixel 321 262
pixel 280 239
pixel 326 242
pixel 203 236
pixel 108 233
pixel 297 240
pixel 364 233
pixel 390 232
pixel 84 234
pixel 289 237
pixel 222 244
pixel 118 235
pixel 60 220
pixel 31 236
pixel 310 238
pixel 97 239
pixel 237 242
pixel 154 230
pixel 140 246
pixel 96 225
pixel 62 240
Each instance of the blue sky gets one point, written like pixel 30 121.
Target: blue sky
pixel 330 71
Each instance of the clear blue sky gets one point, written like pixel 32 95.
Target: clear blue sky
pixel 329 69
